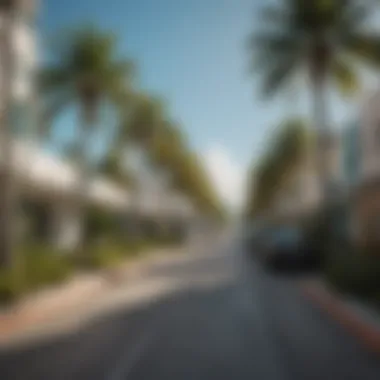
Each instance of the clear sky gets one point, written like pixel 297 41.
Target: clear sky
pixel 193 53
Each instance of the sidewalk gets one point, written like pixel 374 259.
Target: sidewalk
pixel 358 319
pixel 54 310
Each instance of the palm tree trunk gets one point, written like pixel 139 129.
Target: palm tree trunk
pixel 84 169
pixel 7 198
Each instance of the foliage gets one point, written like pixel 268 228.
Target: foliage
pixel 107 255
pixel 84 69
pixel 40 266
pixel 99 224
pixel 355 272
pixel 112 167
pixel 141 120
pixel 284 156
pixel 321 39
pixel 37 266
pixel 169 150
pixel 43 266
pixel 318 36
pixel 10 286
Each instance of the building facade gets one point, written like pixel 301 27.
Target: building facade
pixel 366 194
pixel 361 169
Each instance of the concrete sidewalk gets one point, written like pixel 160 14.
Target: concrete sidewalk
pixel 358 319
pixel 64 307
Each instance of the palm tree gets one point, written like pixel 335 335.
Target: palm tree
pixel 168 151
pixel 85 70
pixel 167 146
pixel 279 165
pixel 319 37
pixel 142 118
pixel 112 167
pixel 8 11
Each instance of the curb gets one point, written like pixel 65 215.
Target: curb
pixel 366 333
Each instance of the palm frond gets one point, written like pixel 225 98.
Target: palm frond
pixel 275 16
pixel 312 33
pixel 52 109
pixel 277 75
pixel 344 76
pixel 365 47
pixel 53 78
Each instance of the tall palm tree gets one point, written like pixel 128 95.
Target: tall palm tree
pixel 8 11
pixel 85 70
pixel 318 37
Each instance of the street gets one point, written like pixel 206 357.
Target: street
pixel 228 320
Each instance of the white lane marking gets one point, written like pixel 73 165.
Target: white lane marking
pixel 130 358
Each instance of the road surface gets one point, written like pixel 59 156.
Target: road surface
pixel 227 320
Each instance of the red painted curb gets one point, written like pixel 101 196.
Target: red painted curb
pixel 367 334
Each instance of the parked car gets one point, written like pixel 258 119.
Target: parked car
pixel 286 248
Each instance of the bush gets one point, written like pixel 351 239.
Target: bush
pixel 98 224
pixel 43 266
pixel 108 253
pixel 10 286
pixel 36 267
pixel 354 272
pixel 104 258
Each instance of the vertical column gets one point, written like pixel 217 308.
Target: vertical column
pixel 67 226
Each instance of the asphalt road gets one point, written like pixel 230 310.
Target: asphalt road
pixel 229 320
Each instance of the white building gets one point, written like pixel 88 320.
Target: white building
pixel 42 176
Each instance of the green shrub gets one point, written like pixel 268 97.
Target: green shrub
pixel 38 266
pixel 356 273
pixel 43 266
pixel 100 224
pixel 35 267
pixel 110 253
pixel 10 286
pixel 104 258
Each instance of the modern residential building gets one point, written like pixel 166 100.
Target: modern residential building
pixel 361 169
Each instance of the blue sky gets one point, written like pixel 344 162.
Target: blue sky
pixel 193 53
